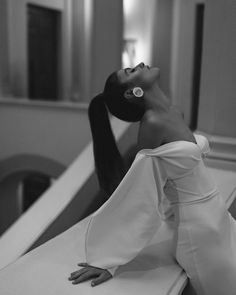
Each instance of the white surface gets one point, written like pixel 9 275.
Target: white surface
pixel 45 270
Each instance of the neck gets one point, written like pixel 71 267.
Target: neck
pixel 156 100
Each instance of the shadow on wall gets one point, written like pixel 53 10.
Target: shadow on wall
pixel 23 179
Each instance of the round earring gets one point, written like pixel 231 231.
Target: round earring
pixel 138 92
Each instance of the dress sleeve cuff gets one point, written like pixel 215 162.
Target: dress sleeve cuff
pixel 112 270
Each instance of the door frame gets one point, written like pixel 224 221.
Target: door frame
pixel 182 54
pixel 18 55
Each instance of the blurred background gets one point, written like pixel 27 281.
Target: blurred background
pixel 55 56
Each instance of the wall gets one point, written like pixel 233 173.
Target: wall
pixel 107 30
pixel 162 42
pixel 55 131
pixel 139 24
pixel 90 49
pixel 36 137
pixel 216 115
pixel 17 37
pixel 4 75
pixel 182 55
pixel 218 87
pixel 96 45
pixel 82 14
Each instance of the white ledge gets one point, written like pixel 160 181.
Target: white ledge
pixel 25 102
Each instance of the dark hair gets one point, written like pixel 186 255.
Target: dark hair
pixel 109 164
pixel 131 110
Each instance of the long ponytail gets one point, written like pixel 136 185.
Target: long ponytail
pixel 108 160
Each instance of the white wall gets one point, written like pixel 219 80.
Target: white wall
pixel 138 24
pixel 55 131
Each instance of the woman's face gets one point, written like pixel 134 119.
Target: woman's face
pixel 141 75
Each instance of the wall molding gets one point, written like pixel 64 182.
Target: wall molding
pixel 223 148
pixel 25 163
pixel 26 102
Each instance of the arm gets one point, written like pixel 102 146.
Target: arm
pixel 125 224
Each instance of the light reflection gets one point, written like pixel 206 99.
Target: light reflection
pixel 129 53
pixel 138 29
pixel 128 6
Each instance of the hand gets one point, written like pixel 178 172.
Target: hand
pixel 90 272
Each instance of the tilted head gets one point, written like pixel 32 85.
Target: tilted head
pixel 124 96
pixel 124 90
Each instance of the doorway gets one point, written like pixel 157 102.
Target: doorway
pixel 43 27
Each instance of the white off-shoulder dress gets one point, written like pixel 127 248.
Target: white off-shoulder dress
pixel 169 183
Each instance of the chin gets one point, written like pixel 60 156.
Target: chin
pixel 155 71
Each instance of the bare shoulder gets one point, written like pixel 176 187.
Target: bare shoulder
pixel 151 133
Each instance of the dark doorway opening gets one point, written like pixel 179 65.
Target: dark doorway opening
pixel 33 186
pixel 197 63
pixel 43 52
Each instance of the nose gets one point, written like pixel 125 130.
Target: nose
pixel 140 65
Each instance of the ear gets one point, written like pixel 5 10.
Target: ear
pixel 128 93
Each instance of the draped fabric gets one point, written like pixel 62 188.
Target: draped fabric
pixel 168 181
pixel 123 226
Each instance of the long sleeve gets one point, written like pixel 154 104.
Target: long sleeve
pixel 125 224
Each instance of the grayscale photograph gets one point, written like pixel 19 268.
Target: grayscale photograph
pixel 118 147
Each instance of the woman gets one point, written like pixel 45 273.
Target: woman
pixel 169 167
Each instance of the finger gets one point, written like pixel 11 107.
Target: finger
pixel 83 264
pixel 80 270
pixel 105 276
pixel 86 276
pixel 77 273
